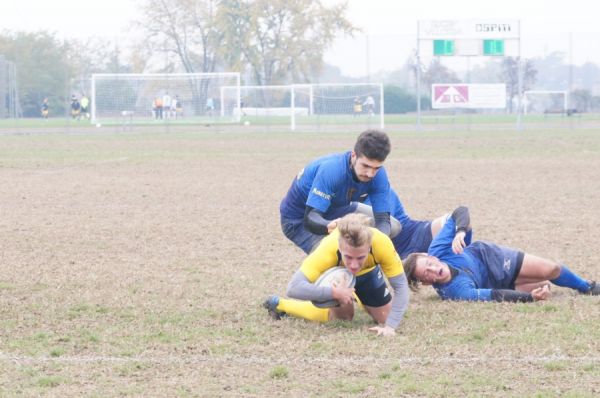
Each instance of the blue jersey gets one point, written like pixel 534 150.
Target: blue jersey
pixel 415 236
pixel 481 267
pixel 328 183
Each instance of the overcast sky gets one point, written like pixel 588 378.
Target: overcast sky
pixel 389 26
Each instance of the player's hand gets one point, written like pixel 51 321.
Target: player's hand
pixel 332 225
pixel 384 330
pixel 541 293
pixel 344 295
pixel 458 243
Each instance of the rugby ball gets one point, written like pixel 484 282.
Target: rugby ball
pixel 336 276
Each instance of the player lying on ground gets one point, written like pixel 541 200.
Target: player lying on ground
pixel 484 271
pixel 330 187
pixel 366 252
pixel 415 236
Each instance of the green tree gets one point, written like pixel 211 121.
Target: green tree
pixel 43 70
pixel 581 99
pixel 398 100
pixel 280 40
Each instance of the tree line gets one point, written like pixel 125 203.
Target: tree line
pixel 268 41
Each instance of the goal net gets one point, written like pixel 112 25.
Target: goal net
pixel 190 98
pixel 311 107
pixel 333 106
pixel 263 105
pixel 544 102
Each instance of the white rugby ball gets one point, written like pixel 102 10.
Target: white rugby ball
pixel 336 276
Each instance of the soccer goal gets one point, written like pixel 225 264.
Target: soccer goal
pixel 310 107
pixel 186 98
pixel 338 105
pixel 545 102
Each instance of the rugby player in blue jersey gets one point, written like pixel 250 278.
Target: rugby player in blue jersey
pixel 416 235
pixel 332 186
pixel 484 271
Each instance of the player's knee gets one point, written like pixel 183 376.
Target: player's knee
pixel 553 270
pixel 343 313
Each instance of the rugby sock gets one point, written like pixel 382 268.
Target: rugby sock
pixel 303 309
pixel 567 278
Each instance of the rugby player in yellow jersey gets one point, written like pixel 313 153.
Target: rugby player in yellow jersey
pixel 366 252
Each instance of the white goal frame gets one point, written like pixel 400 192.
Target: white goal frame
pixel 312 87
pixel 564 93
pixel 294 111
pixel 167 77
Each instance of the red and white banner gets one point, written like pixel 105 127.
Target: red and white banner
pixel 471 96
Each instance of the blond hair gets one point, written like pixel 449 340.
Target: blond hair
pixel 354 229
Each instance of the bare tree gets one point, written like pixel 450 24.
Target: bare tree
pixel 184 28
pixel 188 30
pixel 438 73
pixel 510 76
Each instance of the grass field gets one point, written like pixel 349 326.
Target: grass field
pixel 134 264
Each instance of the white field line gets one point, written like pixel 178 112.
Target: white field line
pixel 190 359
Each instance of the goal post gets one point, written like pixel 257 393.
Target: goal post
pixel 545 101
pixel 191 98
pixel 338 104
pixel 310 107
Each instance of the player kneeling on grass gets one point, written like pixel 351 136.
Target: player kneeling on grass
pixel 366 253
pixel 484 271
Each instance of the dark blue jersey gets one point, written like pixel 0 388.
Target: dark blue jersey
pixel 415 236
pixel 481 267
pixel 327 183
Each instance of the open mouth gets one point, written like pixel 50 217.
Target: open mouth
pixel 440 272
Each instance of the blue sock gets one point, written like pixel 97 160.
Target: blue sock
pixel 567 278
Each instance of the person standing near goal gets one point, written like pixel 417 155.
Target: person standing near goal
pixel 332 186
pixel 45 108
pixel 369 105
pixel 166 100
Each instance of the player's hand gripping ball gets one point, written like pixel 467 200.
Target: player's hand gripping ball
pixel 338 277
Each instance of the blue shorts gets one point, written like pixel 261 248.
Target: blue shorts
pixel 415 237
pixel 371 288
pixel 503 263
pixel 293 228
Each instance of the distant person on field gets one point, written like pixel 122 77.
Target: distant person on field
pixel 85 106
pixel 178 107
pixel 368 254
pixel 75 107
pixel 173 106
pixel 157 106
pixel 45 108
pixel 485 271
pixel 369 105
pixel 166 103
pixel 332 186
pixel 357 107
pixel 210 106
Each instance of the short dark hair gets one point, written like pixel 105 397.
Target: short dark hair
pixel 410 263
pixel 373 144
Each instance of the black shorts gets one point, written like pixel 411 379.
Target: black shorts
pixel 371 288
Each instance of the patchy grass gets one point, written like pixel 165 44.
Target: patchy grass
pixel 135 264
